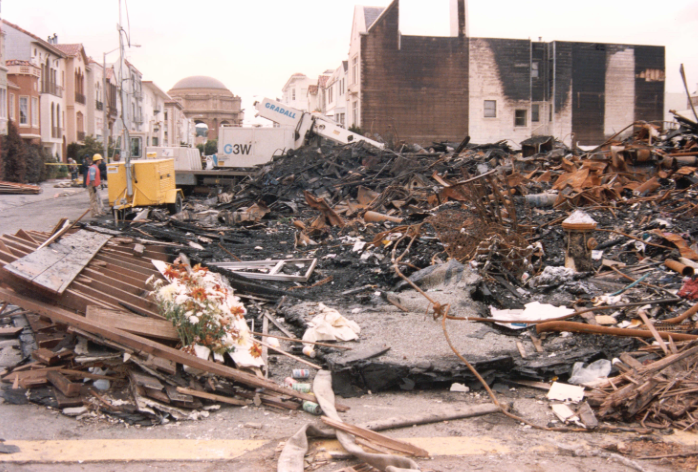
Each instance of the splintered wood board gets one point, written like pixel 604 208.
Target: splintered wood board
pixel 140 325
pixel 54 267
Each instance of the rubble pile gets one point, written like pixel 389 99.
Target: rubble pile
pixel 539 258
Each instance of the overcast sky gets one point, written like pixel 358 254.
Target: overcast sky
pixel 253 46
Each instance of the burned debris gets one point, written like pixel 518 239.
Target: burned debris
pixel 482 267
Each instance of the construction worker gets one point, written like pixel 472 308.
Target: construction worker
pixel 93 182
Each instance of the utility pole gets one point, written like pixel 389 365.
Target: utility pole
pixel 105 111
pixel 126 148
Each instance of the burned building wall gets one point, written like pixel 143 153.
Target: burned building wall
pixel 649 82
pixel 610 87
pixel 588 92
pixel 500 89
pixel 413 87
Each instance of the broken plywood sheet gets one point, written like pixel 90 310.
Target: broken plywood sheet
pixel 56 266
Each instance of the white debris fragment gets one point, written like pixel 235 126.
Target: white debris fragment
pixel 565 392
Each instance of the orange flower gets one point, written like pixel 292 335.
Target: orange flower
pixel 171 272
pixel 256 350
pixel 198 293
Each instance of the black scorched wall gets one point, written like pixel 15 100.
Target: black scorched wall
pixel 649 83
pixel 414 87
pixel 588 92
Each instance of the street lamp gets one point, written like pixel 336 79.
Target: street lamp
pixel 105 120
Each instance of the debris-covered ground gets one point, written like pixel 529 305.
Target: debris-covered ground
pixel 474 268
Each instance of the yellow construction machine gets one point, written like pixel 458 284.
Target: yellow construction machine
pixel 152 183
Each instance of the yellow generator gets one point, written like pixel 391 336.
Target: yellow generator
pixel 153 185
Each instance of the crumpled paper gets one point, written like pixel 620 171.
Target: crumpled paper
pixel 330 325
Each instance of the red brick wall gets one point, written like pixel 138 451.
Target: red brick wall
pixel 414 87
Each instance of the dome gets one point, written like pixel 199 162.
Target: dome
pixel 199 81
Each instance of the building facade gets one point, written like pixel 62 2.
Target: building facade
pixel 336 94
pixel 75 87
pixel 25 46
pixel 295 91
pixel 419 89
pixel 154 99
pixel 95 100
pixel 25 93
pixel 3 85
pixel 207 100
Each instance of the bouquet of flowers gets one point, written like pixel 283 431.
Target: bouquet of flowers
pixel 210 320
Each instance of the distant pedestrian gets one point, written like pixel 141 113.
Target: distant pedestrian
pixel 84 165
pixel 93 182
pixel 103 173
pixel 73 167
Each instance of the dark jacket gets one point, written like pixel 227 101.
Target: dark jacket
pixel 102 170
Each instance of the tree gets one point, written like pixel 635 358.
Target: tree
pixel 35 163
pixel 200 147
pixel 211 147
pixel 13 156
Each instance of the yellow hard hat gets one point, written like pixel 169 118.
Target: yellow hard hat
pixel 97 157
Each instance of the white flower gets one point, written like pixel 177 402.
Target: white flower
pixel 193 319
pixel 181 299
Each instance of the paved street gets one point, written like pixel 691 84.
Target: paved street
pixel 42 212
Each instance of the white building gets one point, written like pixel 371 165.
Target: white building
pixel 295 91
pixel 154 99
pixel 336 94
pixel 130 98
pixel 364 17
pixel 179 130
pixel 95 100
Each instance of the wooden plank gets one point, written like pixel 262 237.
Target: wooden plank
pixel 117 297
pixel 61 382
pixel 139 325
pixel 46 356
pixel 67 402
pixel 10 331
pixel 212 396
pixel 138 343
pixel 161 364
pixel 380 439
pixel 24 235
pixel 55 267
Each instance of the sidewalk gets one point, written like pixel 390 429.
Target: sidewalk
pixel 48 191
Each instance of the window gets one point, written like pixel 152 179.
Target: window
pixel 490 108
pixel 534 70
pixel 155 141
pixel 3 103
pixel 293 94
pixel 24 111
pixel 165 116
pixel 136 147
pixel 329 93
pixel 355 113
pixel 355 70
pixel 519 117
pixel 12 106
pixel 35 112
pixel 550 114
pixel 535 113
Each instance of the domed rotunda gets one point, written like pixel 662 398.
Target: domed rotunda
pixel 207 100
